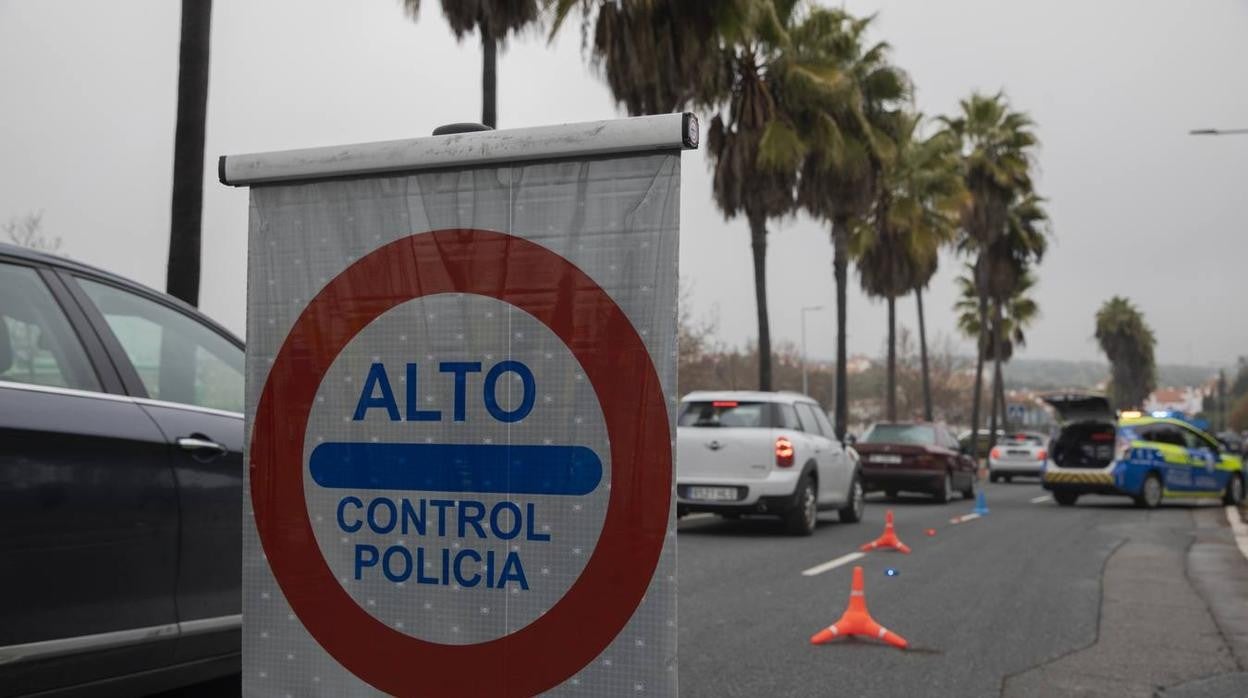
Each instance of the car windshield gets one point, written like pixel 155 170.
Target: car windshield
pixel 913 434
pixel 725 413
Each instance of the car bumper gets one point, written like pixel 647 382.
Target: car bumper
pixel 1081 481
pixel 774 494
pixel 1015 467
pixel 875 478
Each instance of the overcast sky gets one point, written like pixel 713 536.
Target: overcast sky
pixel 1139 207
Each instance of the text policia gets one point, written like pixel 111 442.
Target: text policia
pixel 469 520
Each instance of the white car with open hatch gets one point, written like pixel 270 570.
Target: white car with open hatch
pixel 744 452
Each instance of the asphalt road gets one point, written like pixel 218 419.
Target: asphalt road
pixel 1002 603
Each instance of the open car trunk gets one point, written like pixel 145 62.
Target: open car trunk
pixel 1085 445
pixel 1089 430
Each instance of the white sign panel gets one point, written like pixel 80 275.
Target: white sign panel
pixel 461 385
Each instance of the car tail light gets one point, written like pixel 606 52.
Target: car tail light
pixel 996 453
pixel 784 452
pixel 1042 454
pixel 925 460
pixel 725 403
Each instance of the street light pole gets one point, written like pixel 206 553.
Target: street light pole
pixel 805 387
pixel 1218 131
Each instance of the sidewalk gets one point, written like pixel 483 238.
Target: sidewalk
pixel 1173 621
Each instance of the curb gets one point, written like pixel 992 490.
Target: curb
pixel 1238 528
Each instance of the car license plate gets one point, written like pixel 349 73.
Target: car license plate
pixel 713 494
pixel 885 458
pixel 1018 453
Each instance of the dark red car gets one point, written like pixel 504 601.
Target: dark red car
pixel 915 457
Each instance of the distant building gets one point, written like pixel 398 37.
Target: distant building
pixel 1185 399
pixel 1026 410
pixel 858 364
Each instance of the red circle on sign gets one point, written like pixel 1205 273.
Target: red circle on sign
pixel 603 598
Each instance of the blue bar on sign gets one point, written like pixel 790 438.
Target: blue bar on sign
pixel 489 468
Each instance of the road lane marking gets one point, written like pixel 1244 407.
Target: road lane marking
pixel 1239 528
pixel 964 518
pixel 1042 498
pixel 832 564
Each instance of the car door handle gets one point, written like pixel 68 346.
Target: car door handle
pixel 198 442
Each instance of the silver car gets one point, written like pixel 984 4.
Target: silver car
pixel 1023 453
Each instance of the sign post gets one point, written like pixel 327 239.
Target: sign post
pixel 461 381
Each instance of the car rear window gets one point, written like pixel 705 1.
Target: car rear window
pixel 726 413
pixel 914 434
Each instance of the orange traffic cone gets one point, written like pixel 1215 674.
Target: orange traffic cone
pixel 857 621
pixel 888 539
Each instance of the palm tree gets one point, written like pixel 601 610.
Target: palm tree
pixel 757 64
pixel 660 56
pixel 1128 343
pixel 849 130
pixel 186 215
pixel 1019 311
pixel 754 146
pixel 1008 259
pixel 917 208
pixel 996 145
pixel 493 20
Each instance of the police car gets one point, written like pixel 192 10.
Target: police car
pixel 1148 457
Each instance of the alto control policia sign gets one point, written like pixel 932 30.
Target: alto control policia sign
pixel 461 383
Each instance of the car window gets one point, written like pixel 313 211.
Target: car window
pixel 725 413
pixel 787 417
pixel 1194 440
pixel 825 425
pixel 1164 433
pixel 806 416
pixel 178 358
pixel 914 434
pixel 37 343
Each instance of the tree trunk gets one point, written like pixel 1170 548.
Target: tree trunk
pixel 489 80
pixel 892 359
pixel 999 381
pixel 758 243
pixel 979 373
pixel 840 266
pixel 927 379
pixel 186 210
pixel 992 418
pixel 996 360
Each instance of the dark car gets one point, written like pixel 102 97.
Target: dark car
pixel 121 434
pixel 915 457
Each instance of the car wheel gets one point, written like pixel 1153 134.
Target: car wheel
pixel 945 493
pixel 968 492
pixel 800 520
pixel 852 512
pixel 1150 493
pixel 1234 490
pixel 1008 478
pixel 1066 499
